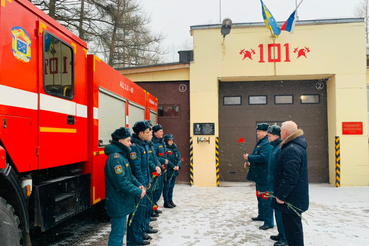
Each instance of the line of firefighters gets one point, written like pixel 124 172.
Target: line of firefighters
pixel 140 167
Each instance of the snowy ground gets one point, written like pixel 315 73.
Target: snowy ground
pixel 221 216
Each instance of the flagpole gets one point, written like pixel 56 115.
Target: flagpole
pixel 297 6
pixel 273 38
pixel 220 11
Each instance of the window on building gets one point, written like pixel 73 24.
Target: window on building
pixel 168 111
pixel 309 99
pixel 58 67
pixel 258 100
pixel 283 99
pixel 232 100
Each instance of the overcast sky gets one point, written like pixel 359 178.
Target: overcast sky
pixel 173 18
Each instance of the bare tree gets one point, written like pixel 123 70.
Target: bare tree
pixel 361 10
pixel 116 29
pixel 127 38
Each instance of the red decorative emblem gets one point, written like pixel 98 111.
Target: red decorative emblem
pixel 247 54
pixel 301 52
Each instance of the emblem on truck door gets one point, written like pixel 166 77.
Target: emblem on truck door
pixel 21 44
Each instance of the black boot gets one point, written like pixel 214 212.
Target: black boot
pixel 168 205
pixel 172 203
pixel 146 237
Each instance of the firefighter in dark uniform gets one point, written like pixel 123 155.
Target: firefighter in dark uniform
pixel 274 137
pixel 138 160
pixel 159 146
pixel 121 187
pixel 259 174
pixel 174 165
pixel 154 167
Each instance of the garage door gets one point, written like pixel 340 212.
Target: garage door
pixel 244 104
pixel 112 114
pixel 135 113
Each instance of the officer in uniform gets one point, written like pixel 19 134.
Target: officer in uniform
pixel 259 174
pixel 138 160
pixel 159 146
pixel 174 165
pixel 154 167
pixel 121 187
pixel 274 137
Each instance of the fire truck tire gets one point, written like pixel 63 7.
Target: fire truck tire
pixel 10 233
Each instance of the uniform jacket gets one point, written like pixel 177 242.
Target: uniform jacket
pixel 153 163
pixel 259 162
pixel 161 152
pixel 120 185
pixel 273 158
pixel 291 174
pixel 139 160
pixel 174 157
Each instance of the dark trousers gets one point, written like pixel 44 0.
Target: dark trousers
pixel 136 230
pixel 150 200
pixel 168 189
pixel 264 209
pixel 279 220
pixel 118 228
pixel 293 228
pixel 159 188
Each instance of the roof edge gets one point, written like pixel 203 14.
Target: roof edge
pixel 299 22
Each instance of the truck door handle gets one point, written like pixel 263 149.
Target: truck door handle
pixel 70 120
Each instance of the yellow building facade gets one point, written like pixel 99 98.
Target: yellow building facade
pixel 321 53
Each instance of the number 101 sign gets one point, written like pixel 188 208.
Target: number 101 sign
pixel 274 53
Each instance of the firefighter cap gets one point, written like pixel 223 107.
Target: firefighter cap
pixel 275 130
pixel 262 127
pixel 121 133
pixel 157 128
pixel 140 126
pixel 168 137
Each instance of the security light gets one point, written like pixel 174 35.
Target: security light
pixel 226 27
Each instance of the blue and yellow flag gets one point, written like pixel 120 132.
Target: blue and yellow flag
pixel 269 20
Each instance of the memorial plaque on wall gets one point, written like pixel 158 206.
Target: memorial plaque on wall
pixel 203 129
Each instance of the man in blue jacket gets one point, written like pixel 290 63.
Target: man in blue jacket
pixel 139 162
pixel 122 188
pixel 291 182
pixel 274 137
pixel 259 174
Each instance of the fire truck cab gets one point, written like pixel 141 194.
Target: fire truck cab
pixel 58 107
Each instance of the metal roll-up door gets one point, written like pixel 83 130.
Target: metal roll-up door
pixel 112 114
pixel 153 117
pixel 135 113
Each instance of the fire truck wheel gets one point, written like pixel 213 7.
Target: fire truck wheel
pixel 10 233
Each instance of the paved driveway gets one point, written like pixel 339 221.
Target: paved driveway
pixel 221 216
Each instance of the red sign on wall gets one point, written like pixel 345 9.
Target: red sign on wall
pixel 352 128
pixel 282 54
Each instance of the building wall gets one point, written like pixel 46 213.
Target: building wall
pixel 336 52
pixel 150 75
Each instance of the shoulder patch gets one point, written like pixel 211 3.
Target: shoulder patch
pixel 258 146
pixel 118 169
pixel 144 152
pixel 116 155
pixel 133 155
pixel 127 164
pixel 150 151
pixel 160 146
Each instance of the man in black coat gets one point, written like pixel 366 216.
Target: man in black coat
pixel 291 182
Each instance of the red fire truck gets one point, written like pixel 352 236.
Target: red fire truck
pixel 58 107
